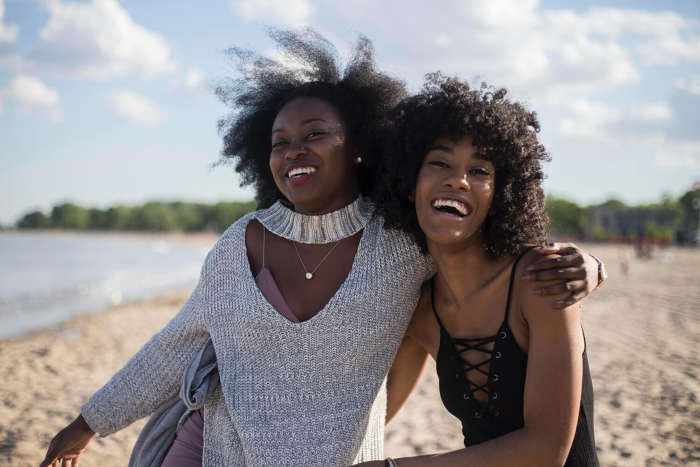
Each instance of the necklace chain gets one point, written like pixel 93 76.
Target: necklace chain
pixel 310 275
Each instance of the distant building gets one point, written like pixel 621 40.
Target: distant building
pixel 628 222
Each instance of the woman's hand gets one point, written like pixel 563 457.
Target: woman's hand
pixel 575 270
pixel 69 444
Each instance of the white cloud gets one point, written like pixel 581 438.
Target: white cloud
pixel 572 66
pixel 135 108
pixel 659 38
pixel 587 119
pixel 31 94
pixel 658 112
pixel 194 79
pixel 289 12
pixel 692 85
pixel 502 14
pixel 676 154
pixel 442 40
pixel 542 52
pixel 98 40
pixel 8 32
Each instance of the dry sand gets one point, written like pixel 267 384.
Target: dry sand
pixel 642 332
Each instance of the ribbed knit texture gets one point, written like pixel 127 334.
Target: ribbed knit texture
pixel 327 228
pixel 303 394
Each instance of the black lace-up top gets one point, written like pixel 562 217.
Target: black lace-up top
pixel 503 364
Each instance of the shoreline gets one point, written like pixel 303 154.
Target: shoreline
pixel 641 331
pixel 207 238
pixel 82 300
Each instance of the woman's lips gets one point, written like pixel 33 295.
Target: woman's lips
pixel 451 207
pixel 300 175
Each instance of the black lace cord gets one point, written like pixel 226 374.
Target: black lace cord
pixel 463 345
pixel 466 343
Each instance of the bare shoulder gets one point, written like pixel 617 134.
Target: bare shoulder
pixel 536 311
pixel 423 326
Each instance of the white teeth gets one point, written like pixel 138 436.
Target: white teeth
pixel 297 171
pixel 459 206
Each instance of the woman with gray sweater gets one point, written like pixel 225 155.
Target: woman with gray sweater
pixel 305 301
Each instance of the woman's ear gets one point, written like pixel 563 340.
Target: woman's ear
pixel 412 196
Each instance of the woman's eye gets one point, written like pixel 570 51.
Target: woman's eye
pixel 438 164
pixel 480 171
pixel 314 134
pixel 277 144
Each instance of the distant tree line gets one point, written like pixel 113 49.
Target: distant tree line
pixel 668 220
pixel 152 216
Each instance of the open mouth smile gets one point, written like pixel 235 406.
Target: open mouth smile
pixel 451 206
pixel 297 172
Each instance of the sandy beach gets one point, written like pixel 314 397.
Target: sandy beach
pixel 642 334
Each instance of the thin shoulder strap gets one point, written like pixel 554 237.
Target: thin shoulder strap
pixel 432 303
pixel 263 249
pixel 512 279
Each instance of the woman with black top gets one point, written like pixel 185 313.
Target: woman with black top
pixel 466 183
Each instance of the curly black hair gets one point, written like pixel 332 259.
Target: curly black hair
pixel 505 133
pixel 360 93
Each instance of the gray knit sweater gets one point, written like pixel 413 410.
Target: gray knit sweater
pixel 309 393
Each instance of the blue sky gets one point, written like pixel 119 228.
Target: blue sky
pixel 107 101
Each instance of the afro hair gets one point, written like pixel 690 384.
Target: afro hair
pixel 359 92
pixel 505 133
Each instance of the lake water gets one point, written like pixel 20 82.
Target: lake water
pixel 46 278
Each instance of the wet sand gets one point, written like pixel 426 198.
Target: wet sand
pixel 642 332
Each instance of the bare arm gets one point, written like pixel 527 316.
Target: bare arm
pixel 149 378
pixel 404 374
pixel 552 395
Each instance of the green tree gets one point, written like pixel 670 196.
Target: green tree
pixel 155 216
pixel 599 234
pixel 655 231
pixel 70 216
pixel 97 219
pixel 34 220
pixel 226 213
pixel 565 217
pixel 612 202
pixel 690 200
pixel 119 218
pixel 690 218
pixel 191 217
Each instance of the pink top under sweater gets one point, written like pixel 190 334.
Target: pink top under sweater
pixel 271 291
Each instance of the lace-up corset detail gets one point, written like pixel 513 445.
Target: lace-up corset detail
pixel 475 373
pixel 482 383
pixel 485 394
pixel 482 379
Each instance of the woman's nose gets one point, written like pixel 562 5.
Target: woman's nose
pixel 458 181
pixel 294 151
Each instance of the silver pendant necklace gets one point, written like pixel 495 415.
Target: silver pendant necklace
pixel 310 275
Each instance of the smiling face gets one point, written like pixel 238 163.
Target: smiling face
pixel 310 160
pixel 453 192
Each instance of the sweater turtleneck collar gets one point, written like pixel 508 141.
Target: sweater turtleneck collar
pixel 324 228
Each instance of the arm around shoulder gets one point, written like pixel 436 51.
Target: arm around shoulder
pixel 552 393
